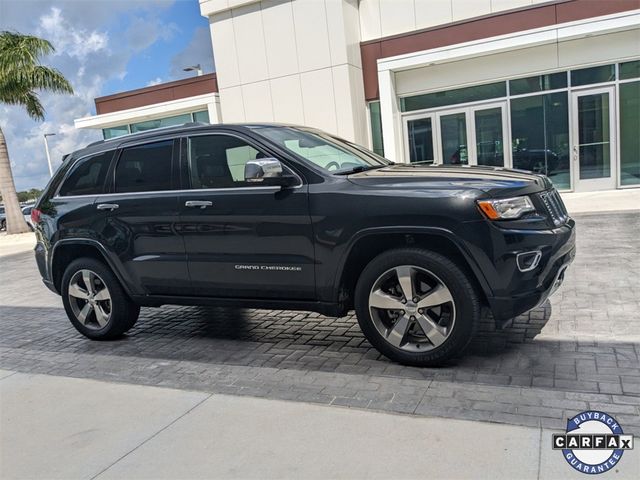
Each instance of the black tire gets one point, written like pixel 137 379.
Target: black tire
pixel 465 298
pixel 3 225
pixel 124 313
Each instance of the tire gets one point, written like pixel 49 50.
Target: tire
pixel 105 319
pixel 3 225
pixel 451 324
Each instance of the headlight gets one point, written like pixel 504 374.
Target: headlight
pixel 506 208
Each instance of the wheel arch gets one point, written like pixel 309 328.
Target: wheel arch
pixel 368 244
pixel 67 250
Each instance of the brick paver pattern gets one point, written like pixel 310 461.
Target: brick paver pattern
pixel 580 350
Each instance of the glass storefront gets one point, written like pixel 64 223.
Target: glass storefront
pixel 629 133
pixel 563 124
pixel 540 136
pixel 113 132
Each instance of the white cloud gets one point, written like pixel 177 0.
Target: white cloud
pixel 69 40
pixel 89 54
pixel 155 81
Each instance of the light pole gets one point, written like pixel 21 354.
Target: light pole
pixel 197 68
pixel 46 147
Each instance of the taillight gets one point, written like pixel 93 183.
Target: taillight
pixel 35 215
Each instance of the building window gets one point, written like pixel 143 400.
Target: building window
pixel 629 138
pixel 376 128
pixel 202 116
pixel 454 97
pixel 540 136
pixel 630 70
pixel 539 83
pixel 160 122
pixel 113 132
pixel 587 76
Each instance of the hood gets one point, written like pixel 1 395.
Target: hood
pixel 495 181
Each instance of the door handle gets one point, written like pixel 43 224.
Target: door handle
pixel 108 206
pixel 198 204
pixel 575 153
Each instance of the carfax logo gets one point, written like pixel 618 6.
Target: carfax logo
pixel 594 442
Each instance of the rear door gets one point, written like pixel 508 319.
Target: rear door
pixel 141 214
pixel 242 239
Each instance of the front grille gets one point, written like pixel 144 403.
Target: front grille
pixel 554 205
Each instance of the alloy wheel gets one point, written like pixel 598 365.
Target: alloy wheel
pixel 412 309
pixel 90 299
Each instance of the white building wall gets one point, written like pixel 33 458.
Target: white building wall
pixel 290 61
pixel 381 18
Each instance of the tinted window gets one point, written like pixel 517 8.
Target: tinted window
pixel 87 178
pixel 217 161
pixel 145 168
pixel 453 97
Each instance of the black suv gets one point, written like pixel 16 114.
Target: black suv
pixel 284 217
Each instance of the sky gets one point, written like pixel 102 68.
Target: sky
pixel 102 47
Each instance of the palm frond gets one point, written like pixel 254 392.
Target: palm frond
pixel 40 78
pixel 17 50
pixel 34 108
pixel 21 73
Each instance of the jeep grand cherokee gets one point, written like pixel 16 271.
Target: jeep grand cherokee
pixel 283 217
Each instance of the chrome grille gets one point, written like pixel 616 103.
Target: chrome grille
pixel 554 205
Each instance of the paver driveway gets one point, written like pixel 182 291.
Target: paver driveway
pixel 579 351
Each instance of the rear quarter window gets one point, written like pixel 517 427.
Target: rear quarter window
pixel 88 176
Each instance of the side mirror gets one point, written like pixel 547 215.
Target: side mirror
pixel 268 171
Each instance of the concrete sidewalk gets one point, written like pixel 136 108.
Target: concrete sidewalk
pixel 56 427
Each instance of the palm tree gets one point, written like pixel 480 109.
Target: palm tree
pixel 21 75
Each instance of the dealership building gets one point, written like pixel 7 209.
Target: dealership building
pixel 550 86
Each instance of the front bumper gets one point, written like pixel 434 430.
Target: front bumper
pixel 526 290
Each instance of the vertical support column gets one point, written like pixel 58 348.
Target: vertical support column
pixel 389 113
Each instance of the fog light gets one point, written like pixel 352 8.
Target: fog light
pixel 527 261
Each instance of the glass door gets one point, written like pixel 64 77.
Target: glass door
pixel 594 159
pixel 419 142
pixel 453 137
pixel 461 136
pixel 489 128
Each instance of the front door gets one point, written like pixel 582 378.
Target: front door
pixel 594 158
pixel 459 136
pixel 243 240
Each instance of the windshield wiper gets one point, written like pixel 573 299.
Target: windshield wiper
pixel 358 169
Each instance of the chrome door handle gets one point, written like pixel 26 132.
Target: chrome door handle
pixel 198 203
pixel 108 206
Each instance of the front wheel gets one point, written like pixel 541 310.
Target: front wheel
pixel 416 306
pixel 95 302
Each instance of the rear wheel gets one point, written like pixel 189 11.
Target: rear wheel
pixel 416 307
pixel 3 225
pixel 95 302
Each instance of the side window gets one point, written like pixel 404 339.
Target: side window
pixel 145 168
pixel 87 178
pixel 217 161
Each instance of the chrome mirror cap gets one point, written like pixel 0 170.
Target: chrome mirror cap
pixel 258 170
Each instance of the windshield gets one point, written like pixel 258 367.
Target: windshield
pixel 327 152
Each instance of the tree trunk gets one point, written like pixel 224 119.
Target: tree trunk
pixel 15 219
